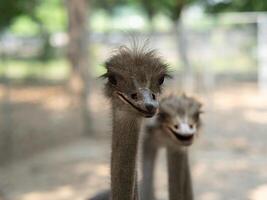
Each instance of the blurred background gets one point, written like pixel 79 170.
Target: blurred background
pixel 55 122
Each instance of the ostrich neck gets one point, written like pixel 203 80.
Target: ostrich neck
pixel 125 136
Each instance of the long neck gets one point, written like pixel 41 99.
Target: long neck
pixel 126 128
pixel 180 184
pixel 149 154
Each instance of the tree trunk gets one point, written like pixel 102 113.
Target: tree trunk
pixel 6 143
pixel 182 50
pixel 46 49
pixel 78 57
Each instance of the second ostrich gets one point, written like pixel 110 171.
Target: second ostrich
pixel 135 77
pixel 174 128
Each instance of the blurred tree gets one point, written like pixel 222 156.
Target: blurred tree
pixel 11 9
pixel 46 49
pixel 173 9
pixel 78 56
pixel 6 142
pixel 151 8
pixel 110 7
pixel 50 16
pixel 214 6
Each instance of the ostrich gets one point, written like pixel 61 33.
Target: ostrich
pixel 174 128
pixel 134 80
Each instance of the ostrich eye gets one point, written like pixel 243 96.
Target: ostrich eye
pixel 112 79
pixel 161 80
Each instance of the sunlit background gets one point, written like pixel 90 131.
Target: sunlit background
pixel 55 123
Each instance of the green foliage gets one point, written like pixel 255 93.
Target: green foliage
pixel 110 5
pixel 52 14
pixel 11 9
pixel 30 17
pixel 151 7
pixel 173 8
pixel 213 6
pixel 47 17
pixel 170 8
pixel 24 26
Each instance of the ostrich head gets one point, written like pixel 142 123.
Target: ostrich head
pixel 179 117
pixel 134 80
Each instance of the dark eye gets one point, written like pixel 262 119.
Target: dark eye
pixel 112 79
pixel 161 80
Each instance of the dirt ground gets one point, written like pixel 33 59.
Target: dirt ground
pixel 228 161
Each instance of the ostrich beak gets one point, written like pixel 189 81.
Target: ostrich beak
pixel 144 101
pixel 148 102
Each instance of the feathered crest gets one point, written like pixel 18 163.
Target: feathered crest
pixel 173 102
pixel 137 54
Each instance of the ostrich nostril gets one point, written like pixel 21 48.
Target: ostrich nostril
pixel 176 126
pixel 134 96
pixel 153 96
pixel 150 107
